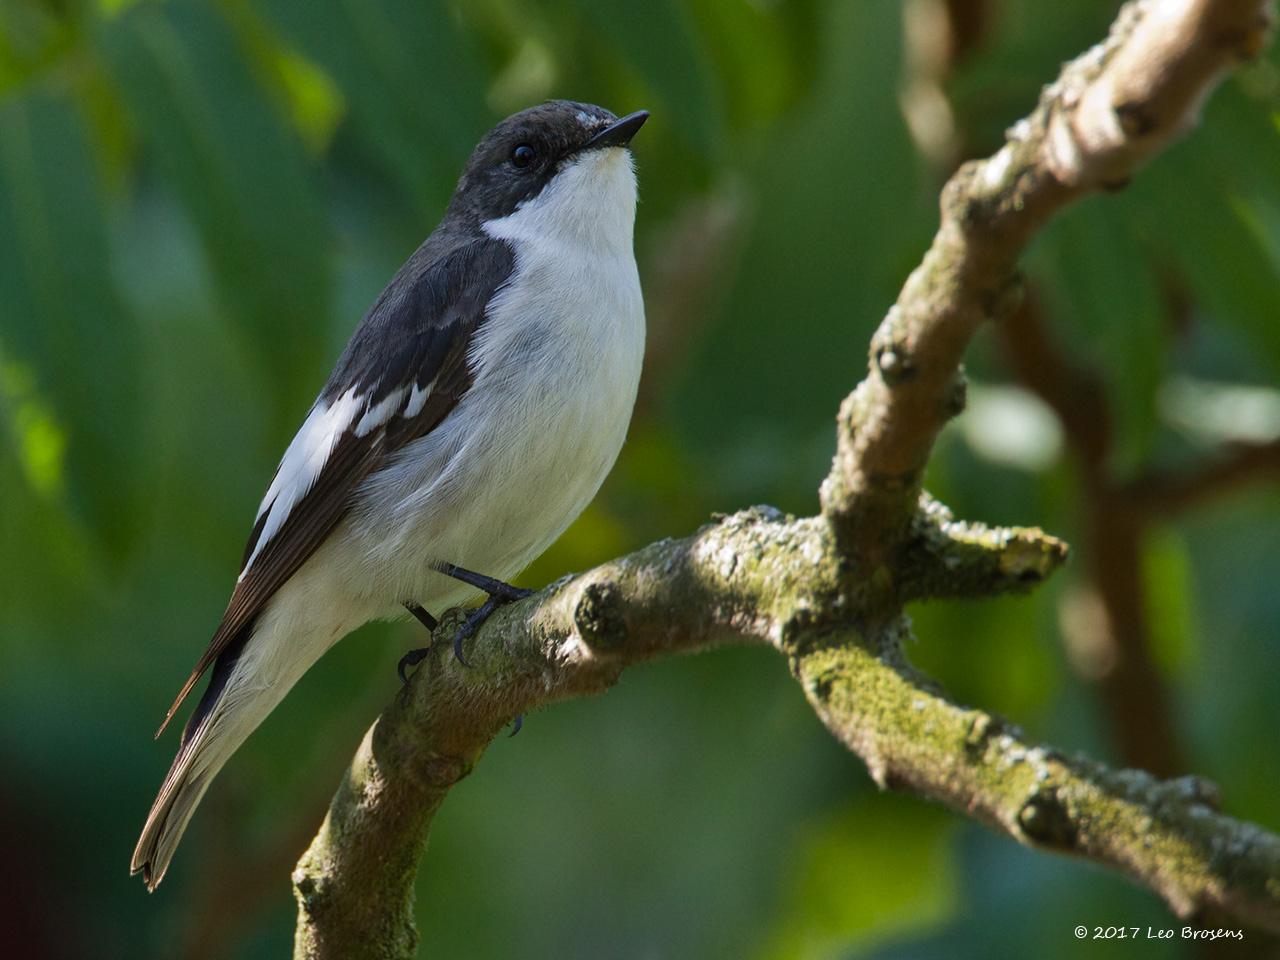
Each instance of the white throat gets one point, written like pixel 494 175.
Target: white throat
pixel 590 202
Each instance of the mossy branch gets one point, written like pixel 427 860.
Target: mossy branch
pixel 828 591
pixel 1166 835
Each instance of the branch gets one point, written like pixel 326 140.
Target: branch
pixel 1166 835
pixel 755 578
pixel 744 579
pixel 1108 113
pixel 1235 466
pixel 827 592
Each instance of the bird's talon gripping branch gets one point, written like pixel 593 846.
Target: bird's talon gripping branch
pixel 471 625
pixel 416 656
pixel 499 593
pixel 411 659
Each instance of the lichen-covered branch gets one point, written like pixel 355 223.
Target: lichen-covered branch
pixel 1166 835
pixel 828 592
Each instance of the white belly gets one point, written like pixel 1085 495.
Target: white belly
pixel 556 367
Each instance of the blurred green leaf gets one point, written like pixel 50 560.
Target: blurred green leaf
pixel 39 440
pixel 1232 715
pixel 850 889
pixel 69 347
pixel 255 154
pixel 1169 582
pixel 1212 210
pixel 754 57
pixel 820 267
pixel 33 37
pixel 41 544
pixel 412 81
pixel 1000 82
pixel 242 175
pixel 1105 299
pixel 315 104
pixel 658 39
pixel 999 654
pixel 304 92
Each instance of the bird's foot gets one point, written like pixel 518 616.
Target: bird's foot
pixel 411 659
pixel 415 657
pixel 500 593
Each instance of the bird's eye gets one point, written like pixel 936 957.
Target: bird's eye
pixel 523 155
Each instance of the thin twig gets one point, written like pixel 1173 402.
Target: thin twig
pixel 1235 465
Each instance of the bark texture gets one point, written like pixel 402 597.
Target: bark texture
pixel 828 592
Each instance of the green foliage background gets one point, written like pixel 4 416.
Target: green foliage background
pixel 198 201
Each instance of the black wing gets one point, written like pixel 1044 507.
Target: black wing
pixel 415 339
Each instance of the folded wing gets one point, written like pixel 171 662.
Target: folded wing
pixel 405 368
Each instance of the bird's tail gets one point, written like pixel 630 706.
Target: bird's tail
pixel 228 712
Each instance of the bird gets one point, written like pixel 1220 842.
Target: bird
pixel 474 413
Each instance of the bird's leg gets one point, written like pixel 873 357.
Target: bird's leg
pixel 499 593
pixel 495 588
pixel 415 657
pixel 421 615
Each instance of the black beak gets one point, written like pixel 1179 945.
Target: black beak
pixel 618 133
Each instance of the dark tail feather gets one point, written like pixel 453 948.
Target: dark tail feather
pixel 200 756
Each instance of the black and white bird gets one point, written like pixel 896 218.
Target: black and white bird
pixel 474 414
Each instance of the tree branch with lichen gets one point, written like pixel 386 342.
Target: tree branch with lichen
pixel 828 592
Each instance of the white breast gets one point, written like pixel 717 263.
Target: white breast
pixel 556 363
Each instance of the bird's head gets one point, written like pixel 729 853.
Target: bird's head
pixel 558 168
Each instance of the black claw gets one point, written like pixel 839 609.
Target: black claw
pixel 414 657
pixel 457 650
pixel 472 624
pixel 411 659
pixel 516 725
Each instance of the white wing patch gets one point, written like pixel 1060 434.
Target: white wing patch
pixel 302 463
pixel 311 448
pixel 418 399
pixel 380 412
